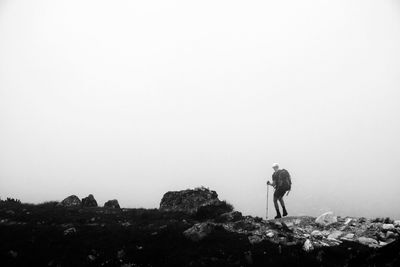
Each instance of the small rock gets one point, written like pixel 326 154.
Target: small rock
pixel 348 220
pixel 91 257
pixel 270 234
pixel 199 231
pixel 349 236
pixel 126 224
pixel 381 236
pixel 308 246
pixel 381 243
pixel 335 234
pixel 89 201
pixel 255 239
pixel 390 234
pixel 316 234
pixel 71 201
pixel 113 204
pixel 387 226
pixel 325 233
pixel 396 223
pixel 367 241
pixel 326 219
pixel 70 231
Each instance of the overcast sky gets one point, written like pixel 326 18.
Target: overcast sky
pixel 131 99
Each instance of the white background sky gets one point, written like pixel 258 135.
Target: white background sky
pixel 130 99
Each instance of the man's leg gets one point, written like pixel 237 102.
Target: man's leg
pixel 283 207
pixel 278 213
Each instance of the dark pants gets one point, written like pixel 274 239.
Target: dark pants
pixel 278 196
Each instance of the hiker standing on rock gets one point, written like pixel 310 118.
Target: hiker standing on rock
pixel 282 183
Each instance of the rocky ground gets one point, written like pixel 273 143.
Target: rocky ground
pixel 211 234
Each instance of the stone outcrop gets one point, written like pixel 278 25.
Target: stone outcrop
pixel 89 201
pixel 113 204
pixel 189 201
pixel 71 201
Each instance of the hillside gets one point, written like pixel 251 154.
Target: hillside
pixel 52 234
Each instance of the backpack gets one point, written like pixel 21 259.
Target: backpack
pixel 284 179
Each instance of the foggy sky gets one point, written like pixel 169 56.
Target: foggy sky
pixel 130 99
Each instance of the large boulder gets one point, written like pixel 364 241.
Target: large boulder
pixel 89 201
pixel 326 219
pixel 190 200
pixel 113 204
pixel 71 201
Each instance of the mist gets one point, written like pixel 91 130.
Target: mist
pixel 131 99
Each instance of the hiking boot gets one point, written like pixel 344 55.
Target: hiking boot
pixel 284 212
pixel 278 214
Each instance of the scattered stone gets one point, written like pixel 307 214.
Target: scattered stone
pixel 70 231
pixel 367 241
pixel 91 257
pixel 71 201
pixel 381 243
pixel 270 234
pixel 126 224
pixel 113 204
pixel 396 223
pixel 316 234
pixel 325 233
pixel 255 239
pixel 387 226
pixel 89 201
pixel 188 201
pixel 199 231
pixel 335 234
pixel 390 234
pixel 348 220
pixel 348 237
pixel 308 246
pixel 326 219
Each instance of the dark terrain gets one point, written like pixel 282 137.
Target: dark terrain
pixel 50 234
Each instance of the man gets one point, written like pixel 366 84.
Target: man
pixel 282 183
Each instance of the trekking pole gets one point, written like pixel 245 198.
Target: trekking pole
pixel 267 199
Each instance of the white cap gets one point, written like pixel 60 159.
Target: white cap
pixel 275 165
